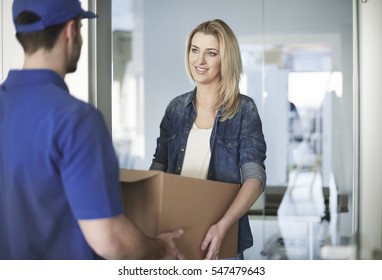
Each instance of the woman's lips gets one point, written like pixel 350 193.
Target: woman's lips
pixel 201 70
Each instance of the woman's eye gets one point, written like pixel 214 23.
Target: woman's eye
pixel 212 54
pixel 194 50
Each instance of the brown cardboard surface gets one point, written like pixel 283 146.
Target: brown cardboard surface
pixel 158 202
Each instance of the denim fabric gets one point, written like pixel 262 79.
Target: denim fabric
pixel 237 147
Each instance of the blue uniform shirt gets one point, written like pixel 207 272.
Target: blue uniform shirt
pixel 237 147
pixel 57 165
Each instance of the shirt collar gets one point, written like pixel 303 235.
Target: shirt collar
pixel 34 77
pixel 190 98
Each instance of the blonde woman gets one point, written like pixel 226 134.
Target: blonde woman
pixel 213 132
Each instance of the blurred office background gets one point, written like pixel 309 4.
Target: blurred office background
pixel 302 66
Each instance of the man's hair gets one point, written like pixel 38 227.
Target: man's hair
pixel 32 41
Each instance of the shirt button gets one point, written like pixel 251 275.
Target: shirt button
pixel 178 168
pixel 182 150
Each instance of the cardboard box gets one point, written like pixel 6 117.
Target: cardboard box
pixel 158 202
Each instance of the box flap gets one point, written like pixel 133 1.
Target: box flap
pixel 130 176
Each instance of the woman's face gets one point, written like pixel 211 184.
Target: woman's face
pixel 204 59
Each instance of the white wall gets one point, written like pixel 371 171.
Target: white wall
pixel 13 56
pixel 12 52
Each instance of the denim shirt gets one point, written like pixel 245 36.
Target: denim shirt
pixel 237 147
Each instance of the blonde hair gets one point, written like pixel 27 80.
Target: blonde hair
pixel 230 66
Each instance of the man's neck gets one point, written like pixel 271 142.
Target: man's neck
pixel 43 59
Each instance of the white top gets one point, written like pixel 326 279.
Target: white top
pixel 198 153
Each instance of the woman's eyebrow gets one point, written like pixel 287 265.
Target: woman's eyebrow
pixel 208 49
pixel 212 49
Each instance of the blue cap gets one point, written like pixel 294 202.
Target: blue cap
pixel 51 12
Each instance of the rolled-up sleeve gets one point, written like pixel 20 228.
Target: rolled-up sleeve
pixel 253 170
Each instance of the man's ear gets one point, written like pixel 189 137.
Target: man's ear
pixel 70 30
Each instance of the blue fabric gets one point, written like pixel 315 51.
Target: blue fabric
pixel 50 13
pixel 57 165
pixel 237 147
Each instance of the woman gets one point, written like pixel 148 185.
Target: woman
pixel 214 132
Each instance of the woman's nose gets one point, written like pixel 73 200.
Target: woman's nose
pixel 201 59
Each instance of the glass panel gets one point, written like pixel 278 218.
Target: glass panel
pixel 297 58
pixel 308 97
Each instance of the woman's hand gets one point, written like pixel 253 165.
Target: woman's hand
pixel 214 237
pixel 248 194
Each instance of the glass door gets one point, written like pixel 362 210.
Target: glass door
pixel 297 58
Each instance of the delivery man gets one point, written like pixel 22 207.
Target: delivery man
pixel 59 175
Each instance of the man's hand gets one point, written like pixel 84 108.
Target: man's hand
pixel 171 252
